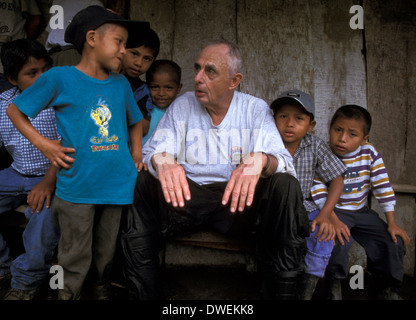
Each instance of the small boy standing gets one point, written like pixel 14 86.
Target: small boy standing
pixel 142 49
pixel 95 110
pixel 384 243
pixel 30 178
pixel 294 113
pixel 164 81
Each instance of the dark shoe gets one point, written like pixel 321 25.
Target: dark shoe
pixel 5 281
pixel 389 294
pixel 19 294
pixel 286 289
pixel 275 288
pixel 334 289
pixel 101 292
pixel 306 286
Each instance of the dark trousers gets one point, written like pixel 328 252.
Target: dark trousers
pixel 385 258
pixel 277 220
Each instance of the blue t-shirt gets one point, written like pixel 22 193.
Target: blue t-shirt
pixel 92 116
pixel 156 115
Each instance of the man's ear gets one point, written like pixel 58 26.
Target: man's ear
pixel 236 80
pixel 91 37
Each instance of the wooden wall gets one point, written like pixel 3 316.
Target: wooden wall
pixel 307 45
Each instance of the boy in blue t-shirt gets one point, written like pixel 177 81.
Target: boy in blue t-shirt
pixel 96 116
pixel 164 81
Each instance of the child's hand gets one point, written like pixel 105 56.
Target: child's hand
pixel 137 159
pixel 395 231
pixel 56 153
pixel 341 229
pixel 326 229
pixel 37 196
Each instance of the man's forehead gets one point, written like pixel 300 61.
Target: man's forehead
pixel 213 56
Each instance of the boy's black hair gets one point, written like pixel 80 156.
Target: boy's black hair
pixel 15 54
pixel 149 39
pixel 352 111
pixel 165 66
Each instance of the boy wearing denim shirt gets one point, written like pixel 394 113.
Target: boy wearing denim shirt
pixel 30 178
pixel 96 116
pixel 294 113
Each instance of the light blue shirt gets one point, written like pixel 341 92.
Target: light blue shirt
pixel 156 114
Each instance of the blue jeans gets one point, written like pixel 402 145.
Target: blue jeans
pixel 40 237
pixel 318 252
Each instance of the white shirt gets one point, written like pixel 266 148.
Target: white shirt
pixel 209 153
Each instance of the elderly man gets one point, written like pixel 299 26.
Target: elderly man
pixel 217 159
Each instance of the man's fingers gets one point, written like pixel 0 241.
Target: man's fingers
pixel 228 190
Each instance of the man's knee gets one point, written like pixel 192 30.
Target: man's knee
pixel 285 181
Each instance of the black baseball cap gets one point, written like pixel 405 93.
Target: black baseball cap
pixel 93 17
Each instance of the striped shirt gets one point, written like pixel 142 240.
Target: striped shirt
pixel 314 157
pixel 365 172
pixel 27 159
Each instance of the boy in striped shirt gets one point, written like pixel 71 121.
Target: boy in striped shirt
pixel 384 243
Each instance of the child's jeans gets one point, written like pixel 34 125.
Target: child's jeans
pixel 40 237
pixel 318 252
pixel 370 231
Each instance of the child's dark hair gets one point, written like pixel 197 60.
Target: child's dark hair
pixel 352 111
pixel 167 66
pixel 15 54
pixel 149 39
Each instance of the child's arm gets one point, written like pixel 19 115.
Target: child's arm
pixel 326 228
pixel 43 191
pixel 50 148
pixel 395 230
pixel 136 138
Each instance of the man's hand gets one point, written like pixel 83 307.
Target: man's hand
pixel 172 179
pixel 243 181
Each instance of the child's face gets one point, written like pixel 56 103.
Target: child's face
pixel 163 89
pixel 29 73
pixel 346 135
pixel 110 46
pixel 293 124
pixel 137 61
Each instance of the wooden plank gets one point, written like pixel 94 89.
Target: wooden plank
pixel 339 65
pixel 390 37
pixel 275 37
